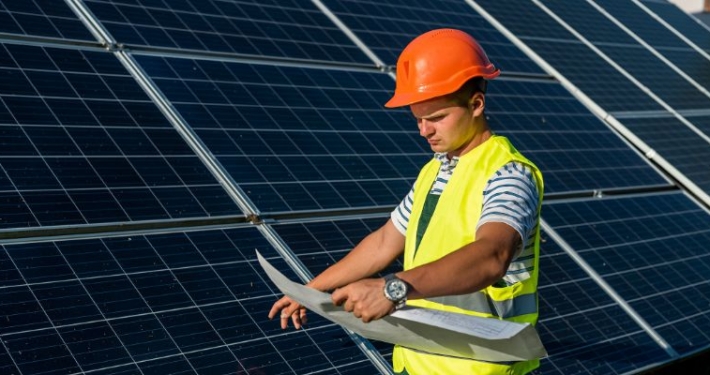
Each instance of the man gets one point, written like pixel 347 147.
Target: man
pixel 468 229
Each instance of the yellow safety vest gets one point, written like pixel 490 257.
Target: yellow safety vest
pixel 452 226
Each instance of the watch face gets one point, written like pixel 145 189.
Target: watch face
pixel 396 289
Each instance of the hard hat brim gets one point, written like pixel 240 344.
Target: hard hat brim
pixel 401 99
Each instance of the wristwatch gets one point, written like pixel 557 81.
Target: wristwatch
pixel 396 290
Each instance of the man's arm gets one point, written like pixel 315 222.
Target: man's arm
pixel 372 254
pixel 469 269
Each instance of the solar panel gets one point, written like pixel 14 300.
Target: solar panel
pixel 576 151
pixel 691 63
pixel 297 138
pixel 680 52
pixel 387 27
pixel 700 121
pixel 630 55
pixel 189 302
pixel 652 251
pixel 690 27
pixel 583 329
pixel 45 18
pixel 585 19
pixel 83 144
pixel 293 29
pixel 676 143
pixel 571 58
pixel 642 24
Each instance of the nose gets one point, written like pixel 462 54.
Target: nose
pixel 425 128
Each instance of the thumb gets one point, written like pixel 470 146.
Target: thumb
pixel 339 296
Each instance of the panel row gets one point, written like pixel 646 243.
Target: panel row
pixel 83 144
pixel 197 301
pixel 179 303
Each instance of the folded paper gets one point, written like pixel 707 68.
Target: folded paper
pixel 428 330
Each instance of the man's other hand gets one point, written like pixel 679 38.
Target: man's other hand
pixel 286 309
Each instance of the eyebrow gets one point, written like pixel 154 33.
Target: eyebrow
pixel 433 115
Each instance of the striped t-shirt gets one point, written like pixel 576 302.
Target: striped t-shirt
pixel 511 197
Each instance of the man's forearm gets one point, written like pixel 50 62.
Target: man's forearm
pixel 372 254
pixel 469 269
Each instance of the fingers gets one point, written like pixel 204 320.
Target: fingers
pixel 284 319
pixel 338 297
pixel 287 309
pixel 278 306
pixel 298 317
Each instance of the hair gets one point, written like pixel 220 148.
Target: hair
pixel 463 95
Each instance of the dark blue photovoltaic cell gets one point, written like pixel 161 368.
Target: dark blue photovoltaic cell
pixel 82 143
pixel 574 150
pixel 589 22
pixel 525 19
pixel 652 250
pixel 6 364
pixel 700 122
pixel 387 27
pixel 46 18
pixel 575 61
pixel 583 330
pixel 690 27
pixel 294 29
pixel 193 302
pixel 642 24
pixel 295 138
pixel 691 63
pixel 677 143
pixel 594 76
pixel 652 72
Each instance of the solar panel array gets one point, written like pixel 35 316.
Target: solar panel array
pixel 151 147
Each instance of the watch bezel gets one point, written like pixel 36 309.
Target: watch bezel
pixel 399 301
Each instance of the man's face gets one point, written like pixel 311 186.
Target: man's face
pixel 447 127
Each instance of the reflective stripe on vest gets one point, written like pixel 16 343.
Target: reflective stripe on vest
pixel 481 303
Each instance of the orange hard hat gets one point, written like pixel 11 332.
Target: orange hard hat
pixel 437 63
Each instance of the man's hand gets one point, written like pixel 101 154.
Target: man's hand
pixel 289 308
pixel 365 299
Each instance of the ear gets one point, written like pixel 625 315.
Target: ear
pixel 477 103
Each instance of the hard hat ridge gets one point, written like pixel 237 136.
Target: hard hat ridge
pixel 437 63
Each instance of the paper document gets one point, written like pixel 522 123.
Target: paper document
pixel 422 329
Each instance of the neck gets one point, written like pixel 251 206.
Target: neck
pixel 482 134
